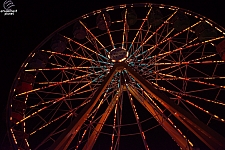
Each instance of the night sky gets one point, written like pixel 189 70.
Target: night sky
pixel 33 21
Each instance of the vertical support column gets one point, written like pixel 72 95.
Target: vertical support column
pixel 137 119
pixel 68 135
pixel 207 135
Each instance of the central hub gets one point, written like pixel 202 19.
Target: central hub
pixel 118 54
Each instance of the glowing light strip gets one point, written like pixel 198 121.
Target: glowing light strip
pixel 165 79
pixel 203 58
pixel 71 56
pixel 124 28
pixel 153 34
pixel 69 39
pixel 169 38
pixel 196 81
pixel 32 115
pixel 186 47
pixel 191 103
pixel 50 122
pixel 103 99
pixel 202 109
pixel 138 122
pixel 67 95
pixel 108 31
pixel 114 124
pixel 54 101
pixel 66 68
pixel 183 94
pixel 93 35
pixel 57 83
pixel 154 47
pixel 68 55
pixel 185 63
pixel 77 146
pixel 158 29
pixel 146 18
pixel 189 62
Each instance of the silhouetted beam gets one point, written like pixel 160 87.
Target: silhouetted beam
pixel 68 135
pixel 159 116
pixel 207 135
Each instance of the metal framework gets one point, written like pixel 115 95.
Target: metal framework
pixel 212 139
pixel 141 68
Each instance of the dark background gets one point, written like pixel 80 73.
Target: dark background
pixel 21 33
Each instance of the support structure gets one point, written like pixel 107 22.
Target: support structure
pixel 162 120
pixel 91 140
pixel 68 135
pixel 208 136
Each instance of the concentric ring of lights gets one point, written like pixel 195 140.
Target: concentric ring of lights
pixel 118 54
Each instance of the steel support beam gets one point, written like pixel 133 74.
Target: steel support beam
pixel 91 140
pixel 68 135
pixel 207 135
pixel 137 118
pixel 158 115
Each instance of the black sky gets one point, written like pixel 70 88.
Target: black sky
pixel 34 20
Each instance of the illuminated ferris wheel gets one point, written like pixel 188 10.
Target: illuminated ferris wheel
pixel 119 75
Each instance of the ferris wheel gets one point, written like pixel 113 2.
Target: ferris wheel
pixel 119 75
